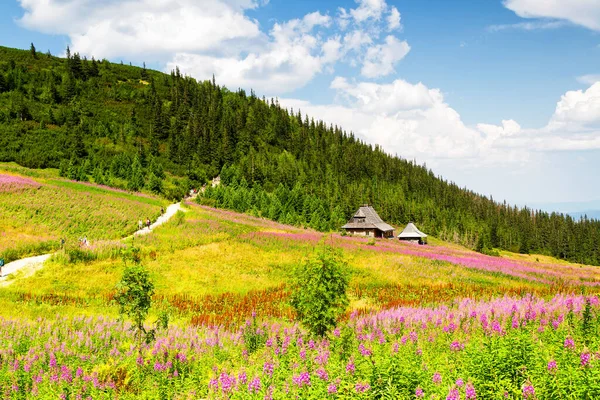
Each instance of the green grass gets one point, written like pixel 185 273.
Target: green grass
pixel 209 252
pixel 33 219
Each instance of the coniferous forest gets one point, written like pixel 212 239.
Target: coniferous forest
pixel 135 128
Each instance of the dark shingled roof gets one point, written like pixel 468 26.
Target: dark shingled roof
pixel 367 218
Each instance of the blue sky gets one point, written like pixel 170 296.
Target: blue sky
pixel 499 96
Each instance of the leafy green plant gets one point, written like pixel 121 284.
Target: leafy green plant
pixel 134 297
pixel 254 338
pixel 319 290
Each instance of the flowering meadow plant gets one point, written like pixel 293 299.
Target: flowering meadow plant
pixel 509 348
pixel 14 183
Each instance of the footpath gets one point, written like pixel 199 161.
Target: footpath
pixel 31 264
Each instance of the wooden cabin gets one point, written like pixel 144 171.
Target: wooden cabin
pixel 412 234
pixel 366 222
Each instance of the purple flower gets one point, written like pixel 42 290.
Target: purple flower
pixel 254 385
pixel 470 392
pixel 322 374
pixel 362 387
pixel 437 378
pixel 552 366
pixel 364 351
pixel 585 359
pixel 331 389
pixel 242 377
pixel 302 380
pixel 460 382
pixel 419 393
pixel 350 368
pixel 456 346
pixel 268 368
pixel 227 382
pixel 453 395
pixel 528 391
pixel 569 343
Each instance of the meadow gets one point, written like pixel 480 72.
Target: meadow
pixel 36 212
pixel 436 321
pixel 506 348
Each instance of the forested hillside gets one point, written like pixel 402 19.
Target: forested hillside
pixel 131 127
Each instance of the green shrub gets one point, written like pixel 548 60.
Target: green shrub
pixel 319 290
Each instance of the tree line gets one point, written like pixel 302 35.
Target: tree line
pixel 139 129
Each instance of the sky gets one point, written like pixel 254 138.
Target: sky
pixel 499 96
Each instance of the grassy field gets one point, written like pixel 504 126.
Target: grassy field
pixel 435 321
pixel 38 209
pixel 217 266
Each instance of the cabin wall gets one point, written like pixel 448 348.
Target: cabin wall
pixel 361 232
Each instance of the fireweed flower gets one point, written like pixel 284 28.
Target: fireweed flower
pixel 453 395
pixel 569 343
pixel 552 366
pixel 254 385
pixel 268 368
pixel 470 392
pixel 528 391
pixel 419 393
pixel 460 382
pixel 362 387
pixel 456 346
pixel 332 388
pixel 585 359
pixel 350 368
pixel 322 374
pixel 364 351
pixel 302 380
pixel 437 378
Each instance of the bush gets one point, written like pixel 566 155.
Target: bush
pixel 319 290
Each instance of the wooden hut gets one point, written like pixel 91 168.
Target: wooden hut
pixel 366 222
pixel 412 234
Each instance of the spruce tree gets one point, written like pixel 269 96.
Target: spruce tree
pixel 32 51
pixel 136 181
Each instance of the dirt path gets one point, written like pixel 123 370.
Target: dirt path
pixel 169 213
pixel 31 264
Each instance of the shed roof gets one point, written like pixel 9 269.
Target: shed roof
pixel 367 218
pixel 411 231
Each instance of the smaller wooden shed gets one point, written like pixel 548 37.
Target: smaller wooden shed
pixel 412 234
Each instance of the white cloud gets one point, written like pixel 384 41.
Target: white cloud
pixel 138 28
pixel 381 59
pixel 588 79
pixel 218 37
pixel 527 26
pixel 368 9
pixel 393 19
pixel 414 121
pixel 291 59
pixel 580 12
pixel 578 108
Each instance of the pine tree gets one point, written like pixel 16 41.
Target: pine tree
pixel 155 184
pixel 3 84
pixel 136 181
pixel 32 51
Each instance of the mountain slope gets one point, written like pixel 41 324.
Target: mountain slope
pixel 124 126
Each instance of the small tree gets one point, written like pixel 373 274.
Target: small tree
pixel 319 290
pixel 136 180
pixel 134 297
pixel 33 51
